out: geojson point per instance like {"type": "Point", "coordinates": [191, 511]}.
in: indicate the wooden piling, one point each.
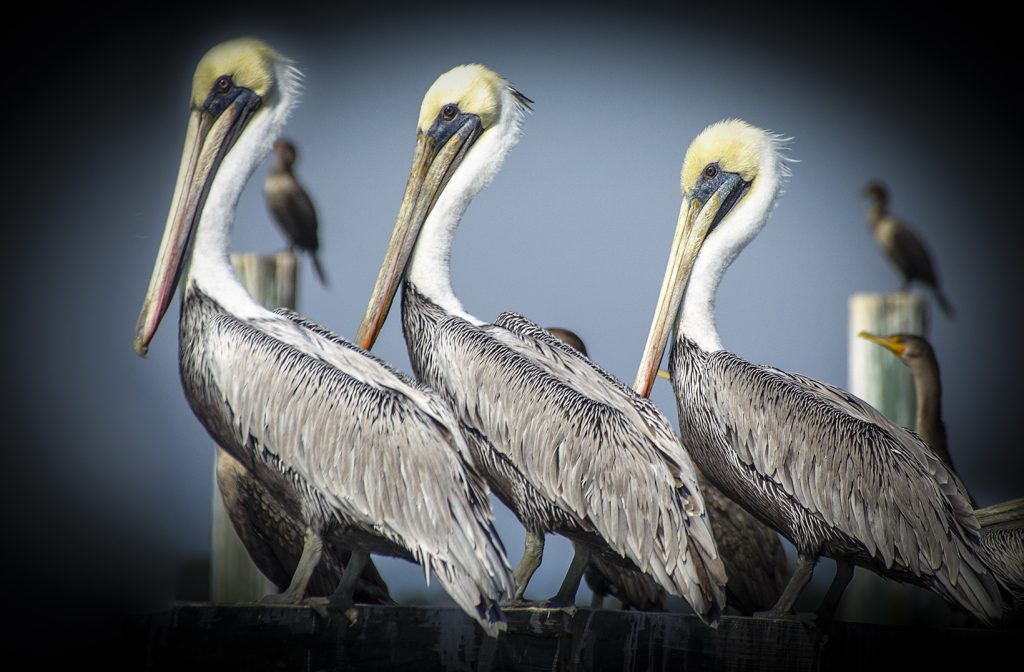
{"type": "Point", "coordinates": [271, 280]}
{"type": "Point", "coordinates": [878, 377]}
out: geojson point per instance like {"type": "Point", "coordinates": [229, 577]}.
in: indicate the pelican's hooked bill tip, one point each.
{"type": "Point", "coordinates": [141, 347]}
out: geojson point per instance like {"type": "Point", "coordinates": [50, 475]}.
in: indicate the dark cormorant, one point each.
{"type": "Point", "coordinates": [290, 205]}
{"type": "Point", "coordinates": [902, 245]}
{"type": "Point", "coordinates": [918, 355]}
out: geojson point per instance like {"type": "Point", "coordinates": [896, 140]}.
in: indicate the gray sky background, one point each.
{"type": "Point", "coordinates": [573, 232]}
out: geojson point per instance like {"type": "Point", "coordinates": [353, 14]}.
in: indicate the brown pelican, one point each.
{"type": "Point", "coordinates": [635, 590]}
{"type": "Point", "coordinates": [274, 539]}
{"type": "Point", "coordinates": [1002, 525]}
{"type": "Point", "coordinates": [364, 457]}
{"type": "Point", "coordinates": [755, 561]}
{"type": "Point", "coordinates": [902, 245]}
{"type": "Point", "coordinates": [918, 355]}
{"type": "Point", "coordinates": [290, 205]}
{"type": "Point", "coordinates": [568, 447]}
{"type": "Point", "coordinates": [815, 463]}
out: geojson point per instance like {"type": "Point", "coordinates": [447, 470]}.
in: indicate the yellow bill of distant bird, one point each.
{"type": "Point", "coordinates": [892, 343]}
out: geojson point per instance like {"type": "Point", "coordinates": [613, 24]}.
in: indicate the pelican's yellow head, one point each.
{"type": "Point", "coordinates": [734, 146]}
{"type": "Point", "coordinates": [465, 89]}
{"type": "Point", "coordinates": [730, 163]}
{"type": "Point", "coordinates": [463, 105]}
{"type": "Point", "coordinates": [234, 84]}
{"type": "Point", "coordinates": [246, 63]}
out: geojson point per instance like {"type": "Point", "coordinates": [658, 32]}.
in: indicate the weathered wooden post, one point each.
{"type": "Point", "coordinates": [881, 379]}
{"type": "Point", "coordinates": [271, 280]}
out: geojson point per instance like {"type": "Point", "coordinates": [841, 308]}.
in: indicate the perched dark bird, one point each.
{"type": "Point", "coordinates": [1002, 525]}
{"type": "Point", "coordinates": [755, 561]}
{"type": "Point", "coordinates": [290, 205]}
{"type": "Point", "coordinates": [820, 466]}
{"type": "Point", "coordinates": [902, 245]}
{"type": "Point", "coordinates": [274, 539]}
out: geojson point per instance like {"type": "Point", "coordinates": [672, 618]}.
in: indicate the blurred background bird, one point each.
{"type": "Point", "coordinates": [902, 245]}
{"type": "Point", "coordinates": [291, 207]}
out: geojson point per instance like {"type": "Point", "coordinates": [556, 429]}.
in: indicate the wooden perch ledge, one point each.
{"type": "Point", "coordinates": [195, 636]}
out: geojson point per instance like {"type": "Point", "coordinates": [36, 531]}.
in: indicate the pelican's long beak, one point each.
{"type": "Point", "coordinates": [433, 164]}
{"type": "Point", "coordinates": [891, 343]}
{"type": "Point", "coordinates": [696, 220]}
{"type": "Point", "coordinates": [207, 140]}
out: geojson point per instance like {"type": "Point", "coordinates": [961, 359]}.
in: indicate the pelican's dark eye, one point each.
{"type": "Point", "coordinates": [223, 84]}
{"type": "Point", "coordinates": [711, 171]}
{"type": "Point", "coordinates": [449, 112]}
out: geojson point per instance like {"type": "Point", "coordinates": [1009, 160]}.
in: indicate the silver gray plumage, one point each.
{"type": "Point", "coordinates": [366, 458]}
{"type": "Point", "coordinates": [753, 556]}
{"type": "Point", "coordinates": [274, 540]}
{"type": "Point", "coordinates": [1002, 525]}
{"type": "Point", "coordinates": [752, 553]}
{"type": "Point", "coordinates": [831, 474]}
{"type": "Point", "coordinates": [1002, 537]}
{"type": "Point", "coordinates": [568, 447]}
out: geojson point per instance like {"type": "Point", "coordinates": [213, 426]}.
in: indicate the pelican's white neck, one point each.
{"type": "Point", "coordinates": [210, 268]}
{"type": "Point", "coordinates": [697, 316]}
{"type": "Point", "coordinates": [429, 268]}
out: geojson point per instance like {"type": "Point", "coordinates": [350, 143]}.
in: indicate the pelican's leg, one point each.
{"type": "Point", "coordinates": [801, 576]}
{"type": "Point", "coordinates": [533, 553]}
{"type": "Point", "coordinates": [312, 549]}
{"type": "Point", "coordinates": [844, 574]}
{"type": "Point", "coordinates": [371, 586]}
{"type": "Point", "coordinates": [566, 595]}
{"type": "Point", "coordinates": [341, 598]}
{"type": "Point", "coordinates": [598, 583]}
